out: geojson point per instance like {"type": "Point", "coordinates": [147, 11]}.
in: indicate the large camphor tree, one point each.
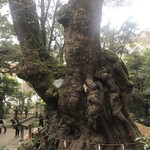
{"type": "Point", "coordinates": [93, 104]}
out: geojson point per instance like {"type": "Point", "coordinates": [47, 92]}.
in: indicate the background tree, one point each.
{"type": "Point", "coordinates": [9, 51]}
{"type": "Point", "coordinates": [8, 87]}
{"type": "Point", "coordinates": [9, 56]}
{"type": "Point", "coordinates": [119, 39]}
{"type": "Point", "coordinates": [138, 64]}
{"type": "Point", "coordinates": [94, 100]}
{"type": "Point", "coordinates": [11, 95]}
{"type": "Point", "coordinates": [22, 99]}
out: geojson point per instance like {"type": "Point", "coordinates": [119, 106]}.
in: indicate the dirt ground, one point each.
{"type": "Point", "coordinates": [144, 130]}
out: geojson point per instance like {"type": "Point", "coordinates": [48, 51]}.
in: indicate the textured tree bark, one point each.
{"type": "Point", "coordinates": [94, 101]}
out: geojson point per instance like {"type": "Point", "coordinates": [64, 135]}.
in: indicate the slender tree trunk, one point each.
{"type": "Point", "coordinates": [1, 108]}
{"type": "Point", "coordinates": [53, 26]}
{"type": "Point", "coordinates": [43, 22]}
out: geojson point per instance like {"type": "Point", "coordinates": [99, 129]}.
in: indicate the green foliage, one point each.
{"type": "Point", "coordinates": [9, 54]}
{"type": "Point", "coordinates": [22, 99]}
{"type": "Point", "coordinates": [8, 86]}
{"type": "Point", "coordinates": [134, 61]}
{"type": "Point", "coordinates": [9, 51]}
{"type": "Point", "coordinates": [118, 40]}
{"type": "Point", "coordinates": [27, 144]}
{"type": "Point", "coordinates": [10, 93]}
{"type": "Point", "coordinates": [145, 141]}
{"type": "Point", "coordinates": [4, 147]}
{"type": "Point", "coordinates": [138, 64]}
{"type": "Point", "coordinates": [6, 28]}
{"type": "Point", "coordinates": [146, 62]}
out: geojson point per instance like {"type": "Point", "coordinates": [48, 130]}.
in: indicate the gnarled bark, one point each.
{"type": "Point", "coordinates": [93, 107]}
{"type": "Point", "coordinates": [97, 90]}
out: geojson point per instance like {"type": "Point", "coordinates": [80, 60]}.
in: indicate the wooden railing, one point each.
{"type": "Point", "coordinates": [27, 124]}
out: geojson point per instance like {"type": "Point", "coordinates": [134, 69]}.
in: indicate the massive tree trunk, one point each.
{"type": "Point", "coordinates": [94, 100]}
{"type": "Point", "coordinates": [93, 106]}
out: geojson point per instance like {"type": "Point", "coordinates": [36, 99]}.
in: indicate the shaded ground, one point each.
{"type": "Point", "coordinates": [10, 139]}
{"type": "Point", "coordinates": [13, 142]}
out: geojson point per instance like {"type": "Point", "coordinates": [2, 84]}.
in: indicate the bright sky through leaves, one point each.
{"type": "Point", "coordinates": [139, 12]}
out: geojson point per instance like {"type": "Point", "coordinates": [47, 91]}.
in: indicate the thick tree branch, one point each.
{"type": "Point", "coordinates": [37, 66]}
